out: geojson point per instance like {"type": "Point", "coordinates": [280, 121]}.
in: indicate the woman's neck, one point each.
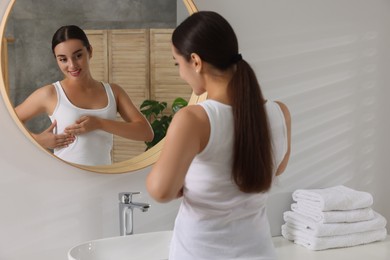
{"type": "Point", "coordinates": [217, 88]}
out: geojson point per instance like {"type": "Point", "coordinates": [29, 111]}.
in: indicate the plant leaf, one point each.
{"type": "Point", "coordinates": [178, 104]}
{"type": "Point", "coordinates": [154, 112]}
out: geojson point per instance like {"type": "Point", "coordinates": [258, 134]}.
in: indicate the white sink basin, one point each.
{"type": "Point", "coordinates": [155, 246]}
{"type": "Point", "coordinates": [151, 246]}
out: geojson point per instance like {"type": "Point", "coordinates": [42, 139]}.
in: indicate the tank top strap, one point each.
{"type": "Point", "coordinates": [61, 96]}
{"type": "Point", "coordinates": [110, 93]}
{"type": "Point", "coordinates": [59, 90]}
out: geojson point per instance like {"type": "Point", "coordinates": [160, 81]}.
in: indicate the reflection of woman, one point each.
{"type": "Point", "coordinates": [82, 110]}
{"type": "Point", "coordinates": [222, 154]}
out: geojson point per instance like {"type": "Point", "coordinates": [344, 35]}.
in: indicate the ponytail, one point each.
{"type": "Point", "coordinates": [252, 156]}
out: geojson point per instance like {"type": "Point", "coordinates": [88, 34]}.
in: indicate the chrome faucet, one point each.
{"type": "Point", "coordinates": [126, 206]}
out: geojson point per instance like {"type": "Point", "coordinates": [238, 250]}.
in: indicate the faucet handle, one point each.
{"type": "Point", "coordinates": [126, 197]}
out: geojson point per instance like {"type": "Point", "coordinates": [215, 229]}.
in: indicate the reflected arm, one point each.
{"type": "Point", "coordinates": [43, 101]}
{"type": "Point", "coordinates": [39, 102]}
{"type": "Point", "coordinates": [136, 126]}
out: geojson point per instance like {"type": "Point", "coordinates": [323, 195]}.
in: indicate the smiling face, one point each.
{"type": "Point", "coordinates": [73, 58]}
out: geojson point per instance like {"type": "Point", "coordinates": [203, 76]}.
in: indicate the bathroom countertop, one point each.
{"type": "Point", "coordinates": [287, 250]}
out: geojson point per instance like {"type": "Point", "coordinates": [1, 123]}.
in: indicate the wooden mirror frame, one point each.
{"type": "Point", "coordinates": [136, 163]}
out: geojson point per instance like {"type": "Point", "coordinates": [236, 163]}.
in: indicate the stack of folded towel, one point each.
{"type": "Point", "coordinates": [333, 217]}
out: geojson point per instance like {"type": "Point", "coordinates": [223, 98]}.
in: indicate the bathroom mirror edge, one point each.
{"type": "Point", "coordinates": [141, 161]}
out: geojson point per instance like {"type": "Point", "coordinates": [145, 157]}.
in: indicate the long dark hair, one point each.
{"type": "Point", "coordinates": [209, 35]}
{"type": "Point", "coordinates": [68, 32]}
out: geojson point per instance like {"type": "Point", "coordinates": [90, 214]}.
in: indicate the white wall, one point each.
{"type": "Point", "coordinates": [327, 60]}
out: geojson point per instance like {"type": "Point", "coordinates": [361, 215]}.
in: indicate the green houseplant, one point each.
{"type": "Point", "coordinates": [155, 112]}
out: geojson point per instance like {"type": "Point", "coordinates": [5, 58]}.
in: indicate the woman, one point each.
{"type": "Point", "coordinates": [82, 110]}
{"type": "Point", "coordinates": [221, 155]}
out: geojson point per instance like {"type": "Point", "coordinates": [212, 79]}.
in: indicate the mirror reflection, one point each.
{"type": "Point", "coordinates": [82, 110]}
{"type": "Point", "coordinates": [130, 48]}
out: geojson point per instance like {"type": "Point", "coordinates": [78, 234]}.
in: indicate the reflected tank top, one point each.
{"type": "Point", "coordinates": [93, 148]}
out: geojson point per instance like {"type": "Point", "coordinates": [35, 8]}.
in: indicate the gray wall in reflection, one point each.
{"type": "Point", "coordinates": [33, 23]}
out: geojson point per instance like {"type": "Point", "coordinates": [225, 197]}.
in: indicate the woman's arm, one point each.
{"type": "Point", "coordinates": [39, 102]}
{"type": "Point", "coordinates": [43, 101]}
{"type": "Point", "coordinates": [187, 135]}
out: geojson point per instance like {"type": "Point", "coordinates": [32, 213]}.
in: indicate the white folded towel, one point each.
{"type": "Point", "coordinates": [333, 198]}
{"type": "Point", "coordinates": [301, 237]}
{"type": "Point", "coordinates": [334, 216]}
{"type": "Point", "coordinates": [300, 222]}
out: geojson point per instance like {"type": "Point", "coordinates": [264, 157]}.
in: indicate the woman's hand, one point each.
{"type": "Point", "coordinates": [49, 140]}
{"type": "Point", "coordinates": [83, 125]}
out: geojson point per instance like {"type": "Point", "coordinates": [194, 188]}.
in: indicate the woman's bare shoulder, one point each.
{"type": "Point", "coordinates": [191, 113]}
{"type": "Point", "coordinates": [116, 88]}
{"type": "Point", "coordinates": [190, 119]}
{"type": "Point", "coordinates": [43, 94]}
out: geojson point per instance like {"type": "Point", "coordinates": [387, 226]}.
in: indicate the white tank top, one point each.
{"type": "Point", "coordinates": [93, 148]}
{"type": "Point", "coordinates": [216, 220]}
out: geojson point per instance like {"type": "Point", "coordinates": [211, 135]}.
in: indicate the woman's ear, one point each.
{"type": "Point", "coordinates": [197, 62]}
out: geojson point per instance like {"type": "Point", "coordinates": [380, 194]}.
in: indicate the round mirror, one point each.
{"type": "Point", "coordinates": [136, 162]}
